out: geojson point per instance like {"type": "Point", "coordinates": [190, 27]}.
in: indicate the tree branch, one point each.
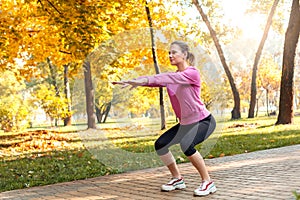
{"type": "Point", "coordinates": [51, 4]}
{"type": "Point", "coordinates": [61, 51]}
{"type": "Point", "coordinates": [39, 1]}
{"type": "Point", "coordinates": [54, 7]}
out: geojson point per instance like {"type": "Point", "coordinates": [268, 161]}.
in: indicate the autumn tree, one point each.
{"type": "Point", "coordinates": [32, 39]}
{"type": "Point", "coordinates": [20, 22]}
{"type": "Point", "coordinates": [14, 107]}
{"type": "Point", "coordinates": [106, 94]}
{"type": "Point", "coordinates": [157, 69]}
{"type": "Point", "coordinates": [137, 42]}
{"type": "Point", "coordinates": [54, 106]}
{"type": "Point", "coordinates": [257, 58]}
{"type": "Point", "coordinates": [269, 80]}
{"type": "Point", "coordinates": [79, 27]}
{"type": "Point", "coordinates": [66, 32]}
{"type": "Point", "coordinates": [52, 82]}
{"type": "Point", "coordinates": [67, 92]}
{"type": "Point", "coordinates": [235, 113]}
{"type": "Point", "coordinates": [126, 60]}
{"type": "Point", "coordinates": [214, 96]}
{"type": "Point", "coordinates": [286, 112]}
{"type": "Point", "coordinates": [242, 80]}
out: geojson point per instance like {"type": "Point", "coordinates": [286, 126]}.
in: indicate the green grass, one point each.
{"type": "Point", "coordinates": [297, 196]}
{"type": "Point", "coordinates": [21, 168]}
{"type": "Point", "coordinates": [236, 137]}
{"type": "Point", "coordinates": [52, 168]}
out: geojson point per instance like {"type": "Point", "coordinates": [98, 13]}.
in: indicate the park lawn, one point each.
{"type": "Point", "coordinates": [43, 157]}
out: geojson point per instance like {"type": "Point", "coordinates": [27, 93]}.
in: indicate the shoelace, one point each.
{"type": "Point", "coordinates": [203, 185]}
{"type": "Point", "coordinates": [173, 180]}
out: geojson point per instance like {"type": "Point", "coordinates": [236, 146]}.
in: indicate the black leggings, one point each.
{"type": "Point", "coordinates": [187, 135]}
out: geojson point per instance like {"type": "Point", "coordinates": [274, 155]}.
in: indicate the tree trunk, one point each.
{"type": "Point", "coordinates": [257, 58]}
{"type": "Point", "coordinates": [236, 112]}
{"type": "Point", "coordinates": [98, 114]}
{"type": "Point", "coordinates": [68, 119]}
{"type": "Point", "coordinates": [102, 112]}
{"type": "Point", "coordinates": [53, 82]}
{"type": "Point", "coordinates": [89, 95]}
{"type": "Point", "coordinates": [53, 76]}
{"type": "Point", "coordinates": [161, 94]}
{"type": "Point", "coordinates": [256, 108]}
{"type": "Point", "coordinates": [286, 110]}
{"type": "Point", "coordinates": [267, 100]}
{"type": "Point", "coordinates": [106, 111]}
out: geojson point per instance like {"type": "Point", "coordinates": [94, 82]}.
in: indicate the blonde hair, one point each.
{"type": "Point", "coordinates": [185, 49]}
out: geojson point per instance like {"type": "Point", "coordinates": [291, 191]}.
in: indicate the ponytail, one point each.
{"type": "Point", "coordinates": [190, 58]}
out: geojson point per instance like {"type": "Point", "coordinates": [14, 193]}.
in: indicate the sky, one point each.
{"type": "Point", "coordinates": [234, 12]}
{"type": "Point", "coordinates": [234, 15]}
{"type": "Point", "coordinates": [241, 51]}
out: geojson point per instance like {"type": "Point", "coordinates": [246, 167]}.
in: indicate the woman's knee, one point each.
{"type": "Point", "coordinates": [159, 144]}
{"type": "Point", "coordinates": [167, 138]}
{"type": "Point", "coordinates": [190, 151]}
{"type": "Point", "coordinates": [160, 147]}
{"type": "Point", "coordinates": [187, 147]}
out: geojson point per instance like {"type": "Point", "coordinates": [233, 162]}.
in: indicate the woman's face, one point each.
{"type": "Point", "coordinates": [176, 55]}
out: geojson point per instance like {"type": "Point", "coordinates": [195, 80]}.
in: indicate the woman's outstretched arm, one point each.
{"type": "Point", "coordinates": [133, 83]}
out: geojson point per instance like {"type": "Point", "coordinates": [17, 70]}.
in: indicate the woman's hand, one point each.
{"type": "Point", "coordinates": [134, 82]}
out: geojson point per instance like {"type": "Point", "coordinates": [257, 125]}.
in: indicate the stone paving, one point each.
{"type": "Point", "coordinates": [269, 174]}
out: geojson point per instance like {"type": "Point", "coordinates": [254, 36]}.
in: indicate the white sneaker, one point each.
{"type": "Point", "coordinates": [206, 188]}
{"type": "Point", "coordinates": [174, 184]}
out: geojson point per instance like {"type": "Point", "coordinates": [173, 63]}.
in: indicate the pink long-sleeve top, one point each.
{"type": "Point", "coordinates": [183, 88]}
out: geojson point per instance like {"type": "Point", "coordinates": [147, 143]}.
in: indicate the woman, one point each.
{"type": "Point", "coordinates": [195, 121]}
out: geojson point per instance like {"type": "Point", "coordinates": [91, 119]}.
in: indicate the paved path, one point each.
{"type": "Point", "coordinates": [270, 174]}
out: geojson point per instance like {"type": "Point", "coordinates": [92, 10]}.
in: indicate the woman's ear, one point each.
{"type": "Point", "coordinates": [185, 56]}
